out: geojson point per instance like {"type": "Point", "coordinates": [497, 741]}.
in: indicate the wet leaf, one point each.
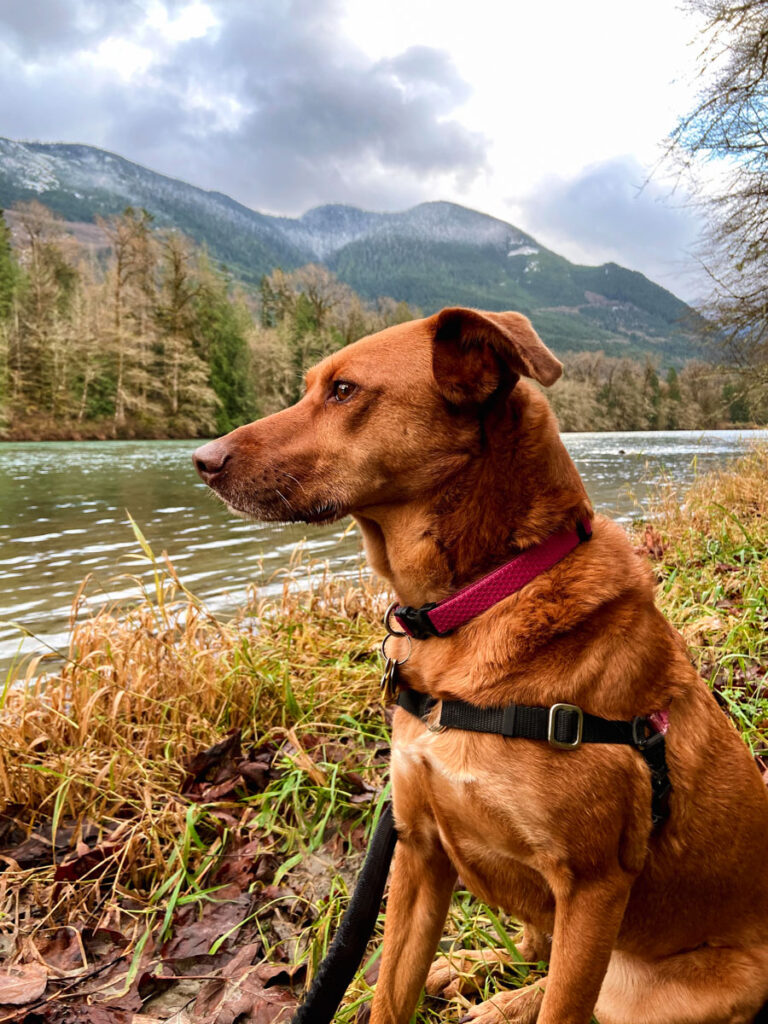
{"type": "Point", "coordinates": [194, 934]}
{"type": "Point", "coordinates": [220, 760]}
{"type": "Point", "coordinates": [246, 992]}
{"type": "Point", "coordinates": [62, 951]}
{"type": "Point", "coordinates": [85, 862]}
{"type": "Point", "coordinates": [22, 984]}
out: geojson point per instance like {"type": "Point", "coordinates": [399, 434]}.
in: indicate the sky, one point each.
{"type": "Point", "coordinates": [549, 115]}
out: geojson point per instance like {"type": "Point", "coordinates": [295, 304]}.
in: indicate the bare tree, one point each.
{"type": "Point", "coordinates": [728, 129]}
{"type": "Point", "coordinates": [131, 242]}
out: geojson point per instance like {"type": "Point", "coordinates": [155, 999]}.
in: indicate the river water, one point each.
{"type": "Point", "coordinates": [63, 516]}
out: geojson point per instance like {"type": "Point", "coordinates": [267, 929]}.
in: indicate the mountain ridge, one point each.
{"type": "Point", "coordinates": [434, 254]}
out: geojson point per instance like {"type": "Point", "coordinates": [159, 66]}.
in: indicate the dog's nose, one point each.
{"type": "Point", "coordinates": [210, 460]}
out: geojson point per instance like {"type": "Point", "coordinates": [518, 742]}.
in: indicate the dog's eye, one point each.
{"type": "Point", "coordinates": [342, 390]}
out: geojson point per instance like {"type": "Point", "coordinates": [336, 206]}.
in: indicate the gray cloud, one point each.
{"type": "Point", "coordinates": [35, 28]}
{"type": "Point", "coordinates": [613, 212]}
{"type": "Point", "coordinates": [274, 106]}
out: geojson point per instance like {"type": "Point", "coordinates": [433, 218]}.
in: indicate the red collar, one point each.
{"type": "Point", "coordinates": [465, 604]}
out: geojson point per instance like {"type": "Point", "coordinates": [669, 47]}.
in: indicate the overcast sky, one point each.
{"type": "Point", "coordinates": [550, 115]}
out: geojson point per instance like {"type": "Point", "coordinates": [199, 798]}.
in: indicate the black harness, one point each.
{"type": "Point", "coordinates": [563, 726]}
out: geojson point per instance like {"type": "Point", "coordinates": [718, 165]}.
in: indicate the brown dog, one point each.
{"type": "Point", "coordinates": [452, 464]}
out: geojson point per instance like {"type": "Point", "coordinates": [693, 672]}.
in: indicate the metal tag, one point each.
{"type": "Point", "coordinates": [389, 680]}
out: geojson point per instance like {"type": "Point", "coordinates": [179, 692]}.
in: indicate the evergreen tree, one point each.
{"type": "Point", "coordinates": [223, 327]}
{"type": "Point", "coordinates": [190, 401]}
{"type": "Point", "coordinates": [674, 398]}
{"type": "Point", "coordinates": [9, 271]}
{"type": "Point", "coordinates": [652, 394]}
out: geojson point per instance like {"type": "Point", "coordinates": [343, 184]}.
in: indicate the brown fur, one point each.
{"type": "Point", "coordinates": [451, 464]}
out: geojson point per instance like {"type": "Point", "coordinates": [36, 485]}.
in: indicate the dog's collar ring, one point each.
{"type": "Point", "coordinates": [395, 661]}
{"type": "Point", "coordinates": [393, 630]}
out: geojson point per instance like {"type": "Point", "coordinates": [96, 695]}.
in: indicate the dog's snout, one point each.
{"type": "Point", "coordinates": [210, 459]}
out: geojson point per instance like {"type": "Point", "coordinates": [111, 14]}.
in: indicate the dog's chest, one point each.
{"type": "Point", "coordinates": [486, 797]}
{"type": "Point", "coordinates": [492, 832]}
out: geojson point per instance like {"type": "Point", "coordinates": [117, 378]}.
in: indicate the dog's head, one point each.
{"type": "Point", "coordinates": [382, 421]}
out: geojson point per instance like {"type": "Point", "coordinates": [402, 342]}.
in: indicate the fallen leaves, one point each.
{"type": "Point", "coordinates": [222, 771]}
{"type": "Point", "coordinates": [246, 992]}
{"type": "Point", "coordinates": [22, 984]}
{"type": "Point", "coordinates": [226, 951]}
{"type": "Point", "coordinates": [652, 544]}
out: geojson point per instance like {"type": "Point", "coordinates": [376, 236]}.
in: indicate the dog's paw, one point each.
{"type": "Point", "coordinates": [457, 973]}
{"type": "Point", "coordinates": [520, 1006]}
{"type": "Point", "coordinates": [534, 945]}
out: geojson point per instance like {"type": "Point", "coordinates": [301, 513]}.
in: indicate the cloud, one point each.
{"type": "Point", "coordinates": [35, 28]}
{"type": "Point", "coordinates": [611, 211]}
{"type": "Point", "coordinates": [267, 101]}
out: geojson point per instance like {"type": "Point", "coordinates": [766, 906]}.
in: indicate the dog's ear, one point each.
{"type": "Point", "coordinates": [471, 349]}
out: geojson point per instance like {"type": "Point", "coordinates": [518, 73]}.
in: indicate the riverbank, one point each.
{"type": "Point", "coordinates": [40, 429]}
{"type": "Point", "coordinates": [36, 431]}
{"type": "Point", "coordinates": [188, 800]}
{"type": "Point", "coordinates": [63, 515]}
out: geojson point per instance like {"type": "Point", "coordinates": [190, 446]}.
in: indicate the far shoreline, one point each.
{"type": "Point", "coordinates": [28, 437]}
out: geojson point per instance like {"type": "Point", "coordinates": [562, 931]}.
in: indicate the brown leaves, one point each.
{"type": "Point", "coordinates": [21, 984]}
{"type": "Point", "coordinates": [222, 771]}
{"type": "Point", "coordinates": [246, 992]}
{"type": "Point", "coordinates": [42, 846]}
{"type": "Point", "coordinates": [86, 976]}
{"type": "Point", "coordinates": [195, 933]}
{"type": "Point", "coordinates": [652, 544]}
{"type": "Point", "coordinates": [85, 861]}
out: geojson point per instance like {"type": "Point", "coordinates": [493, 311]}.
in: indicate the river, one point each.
{"type": "Point", "coordinates": [63, 516]}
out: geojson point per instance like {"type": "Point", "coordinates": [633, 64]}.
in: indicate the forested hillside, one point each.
{"type": "Point", "coordinates": [433, 255]}
{"type": "Point", "coordinates": [146, 336]}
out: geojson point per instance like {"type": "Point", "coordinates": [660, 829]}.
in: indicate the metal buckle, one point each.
{"type": "Point", "coordinates": [388, 625]}
{"type": "Point", "coordinates": [562, 744]}
{"type": "Point", "coordinates": [643, 734]}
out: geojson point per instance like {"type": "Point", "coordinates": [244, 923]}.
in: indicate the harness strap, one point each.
{"type": "Point", "coordinates": [564, 726]}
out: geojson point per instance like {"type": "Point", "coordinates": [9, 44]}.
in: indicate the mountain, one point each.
{"type": "Point", "coordinates": [81, 182]}
{"type": "Point", "coordinates": [436, 254]}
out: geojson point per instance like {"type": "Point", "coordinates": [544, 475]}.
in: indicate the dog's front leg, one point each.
{"type": "Point", "coordinates": [588, 916]}
{"type": "Point", "coordinates": [419, 895]}
{"type": "Point", "coordinates": [587, 920]}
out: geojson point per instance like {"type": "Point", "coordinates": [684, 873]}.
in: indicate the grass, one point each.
{"type": "Point", "coordinates": [122, 826]}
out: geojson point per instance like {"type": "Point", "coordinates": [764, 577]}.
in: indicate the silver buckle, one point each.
{"type": "Point", "coordinates": [573, 744]}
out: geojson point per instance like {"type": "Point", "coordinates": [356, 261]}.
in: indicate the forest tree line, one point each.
{"type": "Point", "coordinates": [144, 336]}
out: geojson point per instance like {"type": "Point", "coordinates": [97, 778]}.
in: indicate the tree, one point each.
{"type": "Point", "coordinates": [190, 401]}
{"type": "Point", "coordinates": [131, 293]}
{"type": "Point", "coordinates": [729, 128]}
{"type": "Point", "coordinates": [223, 327]}
{"type": "Point", "coordinates": [9, 271]}
{"type": "Point", "coordinates": [9, 279]}
{"type": "Point", "coordinates": [38, 362]}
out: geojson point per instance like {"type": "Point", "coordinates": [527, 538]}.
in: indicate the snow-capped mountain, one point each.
{"type": "Point", "coordinates": [433, 255]}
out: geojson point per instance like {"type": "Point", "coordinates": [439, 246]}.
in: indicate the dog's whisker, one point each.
{"type": "Point", "coordinates": [288, 505]}
{"type": "Point", "coordinates": [292, 477]}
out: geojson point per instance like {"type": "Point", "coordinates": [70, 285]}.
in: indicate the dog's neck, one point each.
{"type": "Point", "coordinates": [518, 489]}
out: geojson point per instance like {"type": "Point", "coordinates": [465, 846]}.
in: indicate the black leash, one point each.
{"type": "Point", "coordinates": [564, 726]}
{"type": "Point", "coordinates": [343, 958]}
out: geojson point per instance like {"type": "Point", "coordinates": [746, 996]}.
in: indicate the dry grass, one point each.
{"type": "Point", "coordinates": [710, 556]}
{"type": "Point", "coordinates": [95, 760]}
